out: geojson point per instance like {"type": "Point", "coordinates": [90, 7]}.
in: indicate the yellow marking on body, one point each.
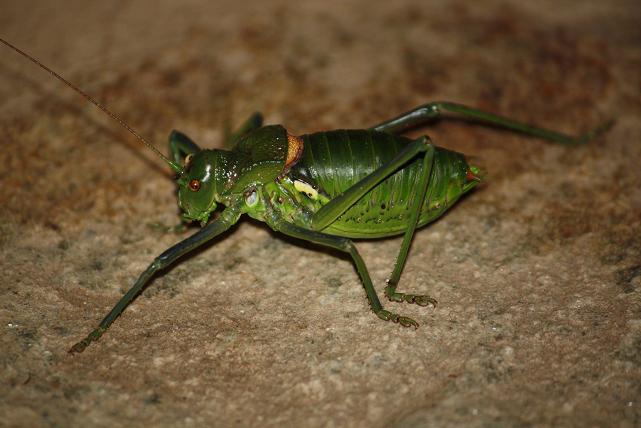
{"type": "Point", "coordinates": [305, 188]}
{"type": "Point", "coordinates": [294, 150]}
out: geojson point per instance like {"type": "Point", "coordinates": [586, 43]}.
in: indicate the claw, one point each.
{"type": "Point", "coordinates": [78, 347]}
{"type": "Point", "coordinates": [407, 322]}
{"type": "Point", "coordinates": [424, 301]}
{"type": "Point", "coordinates": [82, 345]}
{"type": "Point", "coordinates": [396, 318]}
{"type": "Point", "coordinates": [418, 299]}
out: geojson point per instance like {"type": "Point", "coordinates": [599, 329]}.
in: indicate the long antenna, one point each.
{"type": "Point", "coordinates": [177, 168]}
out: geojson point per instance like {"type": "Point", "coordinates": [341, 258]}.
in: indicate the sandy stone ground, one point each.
{"type": "Point", "coordinates": [537, 273]}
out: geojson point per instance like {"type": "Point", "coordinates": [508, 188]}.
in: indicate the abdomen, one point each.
{"type": "Point", "coordinates": [334, 161]}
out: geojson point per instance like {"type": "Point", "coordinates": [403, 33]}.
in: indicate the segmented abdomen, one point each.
{"type": "Point", "coordinates": [334, 161]}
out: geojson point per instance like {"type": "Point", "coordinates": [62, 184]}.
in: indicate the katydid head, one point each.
{"type": "Point", "coordinates": [209, 177]}
{"type": "Point", "coordinates": [199, 185]}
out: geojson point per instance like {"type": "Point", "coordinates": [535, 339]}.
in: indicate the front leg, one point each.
{"type": "Point", "coordinates": [225, 221]}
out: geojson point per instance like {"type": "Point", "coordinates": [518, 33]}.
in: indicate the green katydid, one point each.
{"type": "Point", "coordinates": [326, 188]}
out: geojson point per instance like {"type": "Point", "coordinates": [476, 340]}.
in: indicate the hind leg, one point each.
{"type": "Point", "coordinates": [425, 113]}
{"type": "Point", "coordinates": [415, 210]}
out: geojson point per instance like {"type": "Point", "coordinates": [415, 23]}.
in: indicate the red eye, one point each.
{"type": "Point", "coordinates": [194, 185]}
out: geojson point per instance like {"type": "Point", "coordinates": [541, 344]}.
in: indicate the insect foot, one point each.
{"type": "Point", "coordinates": [389, 316]}
{"type": "Point", "coordinates": [418, 299]}
{"type": "Point", "coordinates": [92, 337]}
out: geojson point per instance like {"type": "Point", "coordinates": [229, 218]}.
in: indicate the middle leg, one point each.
{"type": "Point", "coordinates": [347, 246]}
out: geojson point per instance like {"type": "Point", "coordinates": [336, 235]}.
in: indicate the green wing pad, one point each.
{"type": "Point", "coordinates": [259, 157]}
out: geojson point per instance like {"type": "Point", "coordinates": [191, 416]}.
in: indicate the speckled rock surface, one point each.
{"type": "Point", "coordinates": [537, 273]}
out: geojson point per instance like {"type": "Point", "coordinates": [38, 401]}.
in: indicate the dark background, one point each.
{"type": "Point", "coordinates": [537, 273]}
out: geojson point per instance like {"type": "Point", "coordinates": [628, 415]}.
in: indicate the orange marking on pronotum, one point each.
{"type": "Point", "coordinates": [294, 150]}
